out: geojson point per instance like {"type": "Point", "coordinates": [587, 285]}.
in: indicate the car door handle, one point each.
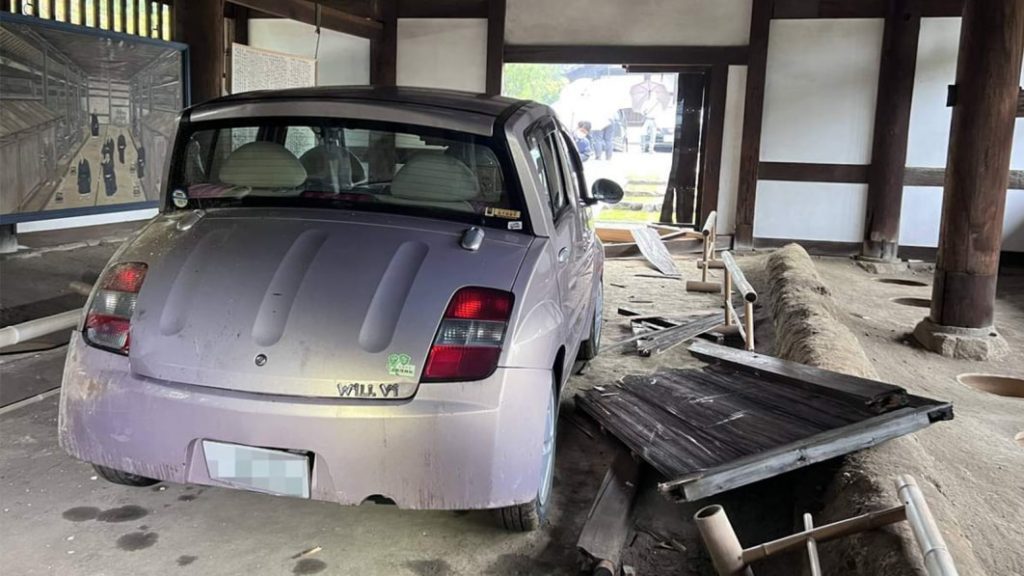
{"type": "Point", "coordinates": [563, 255]}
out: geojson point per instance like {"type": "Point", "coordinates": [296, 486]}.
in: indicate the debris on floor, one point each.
{"type": "Point", "coordinates": [608, 523]}
{"type": "Point", "coordinates": [654, 250]}
{"type": "Point", "coordinates": [736, 422]}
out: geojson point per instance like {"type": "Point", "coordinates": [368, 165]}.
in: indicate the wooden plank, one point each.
{"type": "Point", "coordinates": [892, 129]}
{"type": "Point", "coordinates": [603, 54]}
{"type": "Point", "coordinates": [330, 18]}
{"type": "Point", "coordinates": [686, 329]}
{"type": "Point", "coordinates": [877, 396]}
{"type": "Point", "coordinates": [817, 448]}
{"type": "Point", "coordinates": [610, 518]}
{"type": "Point", "coordinates": [712, 165]}
{"type": "Point", "coordinates": [753, 112]}
{"type": "Point", "coordinates": [495, 45]}
{"type": "Point", "coordinates": [654, 250]}
{"type": "Point", "coordinates": [813, 172]}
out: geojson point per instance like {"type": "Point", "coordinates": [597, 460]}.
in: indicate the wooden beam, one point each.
{"type": "Point", "coordinates": [753, 111]}
{"type": "Point", "coordinates": [892, 129]}
{"type": "Point", "coordinates": [977, 175]}
{"type": "Point", "coordinates": [443, 8]}
{"type": "Point", "coordinates": [122, 16]}
{"type": "Point", "coordinates": [95, 14]}
{"type": "Point", "coordinates": [384, 48]}
{"type": "Point", "coordinates": [805, 9]}
{"type": "Point", "coordinates": [305, 11]}
{"type": "Point", "coordinates": [914, 176]}
{"type": "Point", "coordinates": [691, 87]}
{"type": "Point", "coordinates": [496, 10]}
{"type": "Point", "coordinates": [360, 8]}
{"type": "Point", "coordinates": [593, 54]}
{"type": "Point", "coordinates": [810, 172]}
{"type": "Point", "coordinates": [201, 26]}
{"type": "Point", "coordinates": [712, 153]}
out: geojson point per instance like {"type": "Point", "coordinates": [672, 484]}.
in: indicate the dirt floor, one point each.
{"type": "Point", "coordinates": [56, 517]}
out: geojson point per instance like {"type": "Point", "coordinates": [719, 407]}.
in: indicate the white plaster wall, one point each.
{"type": "Point", "coordinates": [343, 59]}
{"type": "Point", "coordinates": [822, 81]}
{"type": "Point", "coordinates": [633, 22]}
{"type": "Point", "coordinates": [732, 136]}
{"type": "Point", "coordinates": [810, 211]}
{"type": "Point", "coordinates": [928, 141]}
{"type": "Point", "coordinates": [443, 53]}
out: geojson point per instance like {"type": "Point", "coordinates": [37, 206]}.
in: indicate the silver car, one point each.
{"type": "Point", "coordinates": [349, 294]}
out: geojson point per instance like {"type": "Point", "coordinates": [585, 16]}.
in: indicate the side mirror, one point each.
{"type": "Point", "coordinates": [607, 191]}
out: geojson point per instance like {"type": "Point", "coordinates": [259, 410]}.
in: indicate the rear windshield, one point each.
{"type": "Point", "coordinates": [340, 164]}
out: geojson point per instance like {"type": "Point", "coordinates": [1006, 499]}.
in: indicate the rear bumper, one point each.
{"type": "Point", "coordinates": [452, 446]}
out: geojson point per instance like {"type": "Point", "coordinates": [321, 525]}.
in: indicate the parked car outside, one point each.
{"type": "Point", "coordinates": [349, 294]}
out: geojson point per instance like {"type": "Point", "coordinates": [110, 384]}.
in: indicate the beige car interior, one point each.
{"type": "Point", "coordinates": [435, 180]}
{"type": "Point", "coordinates": [264, 166]}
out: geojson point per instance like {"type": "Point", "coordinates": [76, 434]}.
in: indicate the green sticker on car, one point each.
{"type": "Point", "coordinates": [401, 365]}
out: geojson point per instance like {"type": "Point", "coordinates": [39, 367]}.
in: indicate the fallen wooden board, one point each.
{"type": "Point", "coordinates": [718, 428]}
{"type": "Point", "coordinates": [622, 234]}
{"type": "Point", "coordinates": [663, 340]}
{"type": "Point", "coordinates": [877, 396]}
{"type": "Point", "coordinates": [608, 523]}
{"type": "Point", "coordinates": [686, 327]}
{"type": "Point", "coordinates": [654, 250]}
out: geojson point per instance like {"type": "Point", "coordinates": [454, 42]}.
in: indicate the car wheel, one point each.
{"type": "Point", "coordinates": [529, 516]}
{"type": "Point", "coordinates": [592, 345]}
{"type": "Point", "coordinates": [123, 478]}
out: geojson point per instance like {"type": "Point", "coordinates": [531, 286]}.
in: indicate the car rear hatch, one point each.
{"type": "Point", "coordinates": [348, 306]}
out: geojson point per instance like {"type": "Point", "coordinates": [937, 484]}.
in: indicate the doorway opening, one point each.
{"type": "Point", "coordinates": [641, 126]}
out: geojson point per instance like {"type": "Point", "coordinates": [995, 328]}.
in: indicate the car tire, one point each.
{"type": "Point", "coordinates": [531, 515]}
{"type": "Point", "coordinates": [592, 345]}
{"type": "Point", "coordinates": [123, 478]}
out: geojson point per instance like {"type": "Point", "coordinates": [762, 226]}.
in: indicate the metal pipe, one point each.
{"type": "Point", "coordinates": [812, 547]}
{"type": "Point", "coordinates": [748, 317]}
{"type": "Point", "coordinates": [721, 541]}
{"type": "Point", "coordinates": [861, 523]}
{"type": "Point", "coordinates": [739, 279]}
{"type": "Point", "coordinates": [12, 335]}
{"type": "Point", "coordinates": [937, 559]}
{"type": "Point", "coordinates": [81, 288]}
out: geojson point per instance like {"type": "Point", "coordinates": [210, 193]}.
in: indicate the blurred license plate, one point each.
{"type": "Point", "coordinates": [259, 469]}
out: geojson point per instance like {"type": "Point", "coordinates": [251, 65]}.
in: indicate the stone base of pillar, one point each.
{"type": "Point", "coordinates": [880, 265]}
{"type": "Point", "coordinates": [961, 343]}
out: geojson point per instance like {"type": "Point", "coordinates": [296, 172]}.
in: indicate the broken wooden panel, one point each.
{"type": "Point", "coordinates": [713, 429]}
{"type": "Point", "coordinates": [877, 396]}
{"type": "Point", "coordinates": [654, 250]}
{"type": "Point", "coordinates": [610, 517]}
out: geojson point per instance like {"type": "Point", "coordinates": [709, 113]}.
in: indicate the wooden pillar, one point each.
{"type": "Point", "coordinates": [200, 24]}
{"type": "Point", "coordinates": [753, 111]}
{"type": "Point", "coordinates": [691, 86]}
{"type": "Point", "coordinates": [892, 126]}
{"type": "Point", "coordinates": [384, 50]}
{"type": "Point", "coordinates": [714, 104]}
{"type": "Point", "coordinates": [977, 171]}
{"type": "Point", "coordinates": [495, 45]}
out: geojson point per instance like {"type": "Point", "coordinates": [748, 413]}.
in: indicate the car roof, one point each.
{"type": "Point", "coordinates": [426, 97]}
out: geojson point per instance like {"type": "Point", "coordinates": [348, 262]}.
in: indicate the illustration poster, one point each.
{"type": "Point", "coordinates": [86, 119]}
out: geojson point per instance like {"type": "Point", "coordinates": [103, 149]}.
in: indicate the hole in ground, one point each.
{"type": "Point", "coordinates": [900, 282]}
{"type": "Point", "coordinates": [995, 384]}
{"type": "Point", "coordinates": [916, 302]}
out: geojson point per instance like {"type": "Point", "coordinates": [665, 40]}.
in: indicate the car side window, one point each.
{"type": "Point", "coordinates": [544, 157]}
{"type": "Point", "coordinates": [573, 172]}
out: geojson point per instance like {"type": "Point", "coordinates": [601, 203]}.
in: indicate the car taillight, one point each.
{"type": "Point", "coordinates": [108, 321]}
{"type": "Point", "coordinates": [468, 343]}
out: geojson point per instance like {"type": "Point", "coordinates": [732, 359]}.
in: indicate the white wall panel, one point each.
{"type": "Point", "coordinates": [810, 211]}
{"type": "Point", "coordinates": [936, 69]}
{"type": "Point", "coordinates": [732, 136]}
{"type": "Point", "coordinates": [634, 22]}
{"type": "Point", "coordinates": [822, 81]}
{"type": "Point", "coordinates": [443, 53]}
{"type": "Point", "coordinates": [343, 59]}
{"type": "Point", "coordinates": [920, 215]}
